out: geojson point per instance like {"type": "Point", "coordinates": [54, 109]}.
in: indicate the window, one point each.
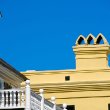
{"type": "Point", "coordinates": [7, 86]}
{"type": "Point", "coordinates": [81, 41]}
{"type": "Point", "coordinates": [100, 40]}
{"type": "Point", "coordinates": [67, 78]}
{"type": "Point", "coordinates": [108, 106]}
{"type": "Point", "coordinates": [71, 107]}
{"type": "Point", "coordinates": [90, 40]}
{"type": "Point", "coordinates": [1, 83]}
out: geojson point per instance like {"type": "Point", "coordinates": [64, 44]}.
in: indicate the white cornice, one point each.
{"type": "Point", "coordinates": [71, 71]}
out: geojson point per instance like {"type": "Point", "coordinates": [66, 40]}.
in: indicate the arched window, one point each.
{"type": "Point", "coordinates": [81, 41]}
{"type": "Point", "coordinates": [90, 40]}
{"type": "Point", "coordinates": [100, 40]}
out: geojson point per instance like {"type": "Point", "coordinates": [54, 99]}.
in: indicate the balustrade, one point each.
{"type": "Point", "coordinates": [11, 98]}
{"type": "Point", "coordinates": [38, 102]}
{"type": "Point", "coordinates": [27, 99]}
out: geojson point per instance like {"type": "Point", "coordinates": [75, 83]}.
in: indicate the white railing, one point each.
{"type": "Point", "coordinates": [12, 98]}
{"type": "Point", "coordinates": [38, 102]}
{"type": "Point", "coordinates": [35, 101]}
{"type": "Point", "coordinates": [27, 99]}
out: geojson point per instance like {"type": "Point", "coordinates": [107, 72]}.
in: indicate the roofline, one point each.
{"type": "Point", "coordinates": [45, 72]}
{"type": "Point", "coordinates": [42, 71]}
{"type": "Point", "coordinates": [5, 64]}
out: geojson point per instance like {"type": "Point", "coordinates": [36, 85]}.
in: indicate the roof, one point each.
{"type": "Point", "coordinates": [5, 64]}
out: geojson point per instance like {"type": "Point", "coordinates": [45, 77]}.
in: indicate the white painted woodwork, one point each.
{"type": "Point", "coordinates": [27, 99]}
{"type": "Point", "coordinates": [18, 101]}
{"type": "Point", "coordinates": [28, 96]}
{"type": "Point", "coordinates": [53, 101]}
{"type": "Point", "coordinates": [64, 106]}
{"type": "Point", "coordinates": [22, 99]}
{"type": "Point", "coordinates": [9, 99]}
{"type": "Point", "coordinates": [42, 99]}
{"type": "Point", "coordinates": [10, 96]}
{"type": "Point", "coordinates": [6, 98]}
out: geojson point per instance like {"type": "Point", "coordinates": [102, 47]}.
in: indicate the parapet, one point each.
{"type": "Point", "coordinates": [91, 40]}
{"type": "Point", "coordinates": [91, 52]}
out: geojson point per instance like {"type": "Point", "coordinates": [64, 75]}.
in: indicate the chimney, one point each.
{"type": "Point", "coordinates": [91, 53]}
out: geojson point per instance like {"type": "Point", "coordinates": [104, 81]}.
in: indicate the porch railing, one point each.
{"type": "Point", "coordinates": [12, 98]}
{"type": "Point", "coordinates": [27, 99]}
{"type": "Point", "coordinates": [38, 102]}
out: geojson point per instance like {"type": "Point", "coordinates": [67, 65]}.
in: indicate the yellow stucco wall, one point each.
{"type": "Point", "coordinates": [89, 84]}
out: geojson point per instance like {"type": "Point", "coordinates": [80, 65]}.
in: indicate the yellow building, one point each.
{"type": "Point", "coordinates": [85, 88]}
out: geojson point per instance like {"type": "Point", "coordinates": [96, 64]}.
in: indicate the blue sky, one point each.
{"type": "Point", "coordinates": [39, 34]}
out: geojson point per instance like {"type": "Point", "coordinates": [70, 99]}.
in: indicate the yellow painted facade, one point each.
{"type": "Point", "coordinates": [88, 86]}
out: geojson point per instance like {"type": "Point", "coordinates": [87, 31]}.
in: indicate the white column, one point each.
{"type": "Point", "coordinates": [14, 96]}
{"type": "Point", "coordinates": [10, 99]}
{"type": "Point", "coordinates": [42, 100]}
{"type": "Point", "coordinates": [22, 98]}
{"type": "Point", "coordinates": [53, 101]}
{"type": "Point", "coordinates": [18, 99]}
{"type": "Point", "coordinates": [28, 97]}
{"type": "Point", "coordinates": [6, 92]}
{"type": "Point", "coordinates": [64, 106]}
{"type": "Point", "coordinates": [2, 102]}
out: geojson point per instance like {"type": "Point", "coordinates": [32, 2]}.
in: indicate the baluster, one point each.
{"type": "Point", "coordinates": [14, 96]}
{"type": "Point", "coordinates": [64, 106]}
{"type": "Point", "coordinates": [28, 95]}
{"type": "Point", "coordinates": [2, 100]}
{"type": "Point", "coordinates": [18, 100]}
{"type": "Point", "coordinates": [32, 102]}
{"type": "Point", "coordinates": [6, 92]}
{"type": "Point", "coordinates": [53, 101]}
{"type": "Point", "coordinates": [22, 98]}
{"type": "Point", "coordinates": [35, 103]}
{"type": "Point", "coordinates": [42, 100]}
{"type": "Point", "coordinates": [32, 106]}
{"type": "Point", "coordinates": [10, 98]}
